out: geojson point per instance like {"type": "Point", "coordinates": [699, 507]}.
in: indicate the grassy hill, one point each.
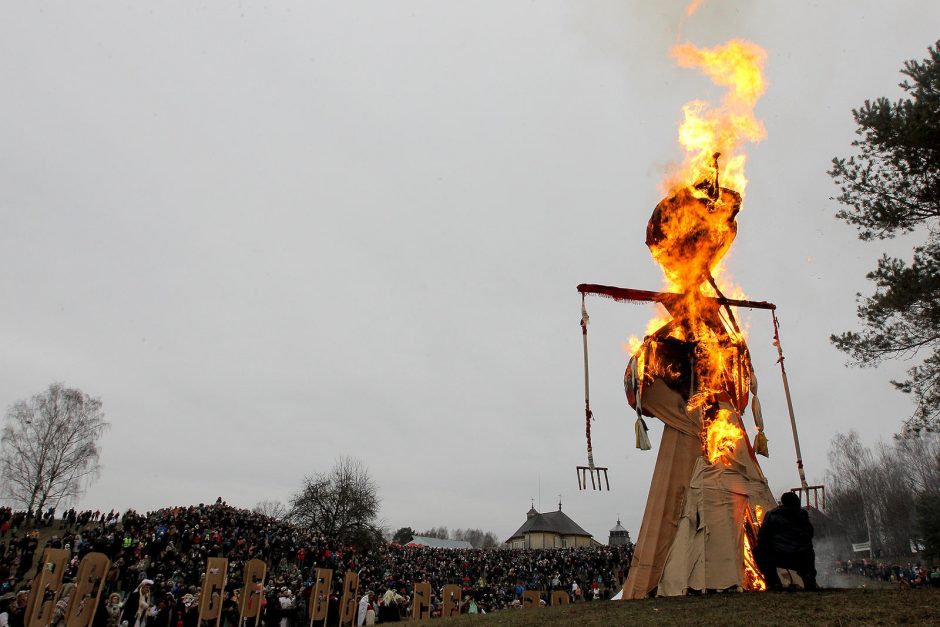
{"type": "Point", "coordinates": [830, 607]}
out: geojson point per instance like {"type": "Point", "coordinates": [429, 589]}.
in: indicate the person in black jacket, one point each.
{"type": "Point", "coordinates": [785, 540]}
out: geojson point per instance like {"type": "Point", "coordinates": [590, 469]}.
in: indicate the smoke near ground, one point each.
{"type": "Point", "coordinates": [826, 575]}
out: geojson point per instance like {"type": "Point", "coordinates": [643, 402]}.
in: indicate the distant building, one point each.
{"type": "Point", "coordinates": [619, 536]}
{"type": "Point", "coordinates": [550, 530]}
{"type": "Point", "coordinates": [437, 543]}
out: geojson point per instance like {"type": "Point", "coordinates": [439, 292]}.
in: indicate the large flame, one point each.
{"type": "Point", "coordinates": [738, 66]}
{"type": "Point", "coordinates": [700, 350]}
{"type": "Point", "coordinates": [694, 226]}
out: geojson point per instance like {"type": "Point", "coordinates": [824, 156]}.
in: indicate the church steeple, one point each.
{"type": "Point", "coordinates": [531, 513]}
{"type": "Point", "coordinates": [619, 535]}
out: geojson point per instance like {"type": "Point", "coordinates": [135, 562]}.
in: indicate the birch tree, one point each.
{"type": "Point", "coordinates": [49, 447]}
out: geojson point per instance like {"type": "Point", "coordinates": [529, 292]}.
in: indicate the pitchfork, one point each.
{"type": "Point", "coordinates": [595, 472]}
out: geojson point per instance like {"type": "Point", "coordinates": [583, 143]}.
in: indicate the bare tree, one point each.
{"type": "Point", "coordinates": [271, 509]}
{"type": "Point", "coordinates": [342, 503]}
{"type": "Point", "coordinates": [880, 494]}
{"type": "Point", "coordinates": [477, 538]}
{"type": "Point", "coordinates": [921, 459]}
{"type": "Point", "coordinates": [441, 533]}
{"type": "Point", "coordinates": [893, 499]}
{"type": "Point", "coordinates": [850, 484]}
{"type": "Point", "coordinates": [49, 447]}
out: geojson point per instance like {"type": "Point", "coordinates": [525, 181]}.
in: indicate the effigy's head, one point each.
{"type": "Point", "coordinates": [690, 231]}
{"type": "Point", "coordinates": [697, 354]}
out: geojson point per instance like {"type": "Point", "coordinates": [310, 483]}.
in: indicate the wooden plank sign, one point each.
{"type": "Point", "coordinates": [530, 599]}
{"type": "Point", "coordinates": [89, 583]}
{"type": "Point", "coordinates": [560, 597]}
{"type": "Point", "coordinates": [249, 603]}
{"type": "Point", "coordinates": [320, 596]}
{"type": "Point", "coordinates": [41, 600]}
{"type": "Point", "coordinates": [421, 604]}
{"type": "Point", "coordinates": [350, 602]}
{"type": "Point", "coordinates": [451, 600]}
{"type": "Point", "coordinates": [213, 587]}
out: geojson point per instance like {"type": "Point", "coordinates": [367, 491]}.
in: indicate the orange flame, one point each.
{"type": "Point", "coordinates": [721, 436]}
{"type": "Point", "coordinates": [701, 350]}
{"type": "Point", "coordinates": [633, 343]}
{"type": "Point", "coordinates": [737, 65]}
{"type": "Point", "coordinates": [692, 229]}
{"type": "Point", "coordinates": [753, 579]}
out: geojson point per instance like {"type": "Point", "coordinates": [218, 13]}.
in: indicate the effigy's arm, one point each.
{"type": "Point", "coordinates": [626, 294]}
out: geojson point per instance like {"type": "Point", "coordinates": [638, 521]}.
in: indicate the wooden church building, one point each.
{"type": "Point", "coordinates": [550, 530]}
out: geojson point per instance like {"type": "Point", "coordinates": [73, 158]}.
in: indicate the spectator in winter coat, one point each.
{"type": "Point", "coordinates": [137, 606]}
{"type": "Point", "coordinates": [785, 540]}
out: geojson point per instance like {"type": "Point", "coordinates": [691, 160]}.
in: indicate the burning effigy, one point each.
{"type": "Point", "coordinates": [693, 370]}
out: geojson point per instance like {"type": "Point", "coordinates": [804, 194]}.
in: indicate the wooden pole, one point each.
{"type": "Point", "coordinates": [786, 390]}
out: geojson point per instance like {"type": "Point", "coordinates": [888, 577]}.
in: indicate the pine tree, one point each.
{"type": "Point", "coordinates": [892, 187]}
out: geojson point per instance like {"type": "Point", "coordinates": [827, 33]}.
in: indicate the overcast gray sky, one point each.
{"type": "Point", "coordinates": [267, 234]}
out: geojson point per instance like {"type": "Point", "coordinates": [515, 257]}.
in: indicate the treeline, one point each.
{"type": "Point", "coordinates": [891, 491]}
{"type": "Point", "coordinates": [477, 538]}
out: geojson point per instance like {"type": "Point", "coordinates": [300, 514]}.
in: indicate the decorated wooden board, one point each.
{"type": "Point", "coordinates": [451, 600]}
{"type": "Point", "coordinates": [320, 596]}
{"type": "Point", "coordinates": [350, 600]}
{"type": "Point", "coordinates": [88, 585]}
{"type": "Point", "coordinates": [41, 600]}
{"type": "Point", "coordinates": [249, 604]}
{"type": "Point", "coordinates": [213, 589]}
{"type": "Point", "coordinates": [530, 599]}
{"type": "Point", "coordinates": [421, 603]}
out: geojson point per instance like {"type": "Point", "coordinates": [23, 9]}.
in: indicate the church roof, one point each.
{"type": "Point", "coordinates": [551, 522]}
{"type": "Point", "coordinates": [618, 528]}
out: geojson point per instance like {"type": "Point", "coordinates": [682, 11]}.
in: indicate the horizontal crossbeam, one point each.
{"type": "Point", "coordinates": [628, 294]}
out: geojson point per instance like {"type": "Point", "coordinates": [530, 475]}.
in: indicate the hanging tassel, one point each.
{"type": "Point", "coordinates": [760, 444]}
{"type": "Point", "coordinates": [758, 414]}
{"type": "Point", "coordinates": [760, 441]}
{"type": "Point", "coordinates": [755, 404]}
{"type": "Point", "coordinates": [642, 439]}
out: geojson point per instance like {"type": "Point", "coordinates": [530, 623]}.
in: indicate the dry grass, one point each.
{"type": "Point", "coordinates": [830, 607]}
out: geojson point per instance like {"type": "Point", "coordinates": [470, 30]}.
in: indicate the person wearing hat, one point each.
{"type": "Point", "coordinates": [190, 610]}
{"type": "Point", "coordinates": [112, 610]}
{"type": "Point", "coordinates": [137, 606]}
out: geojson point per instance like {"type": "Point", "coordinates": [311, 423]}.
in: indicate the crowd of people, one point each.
{"type": "Point", "coordinates": [158, 560]}
{"type": "Point", "coordinates": [914, 575]}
